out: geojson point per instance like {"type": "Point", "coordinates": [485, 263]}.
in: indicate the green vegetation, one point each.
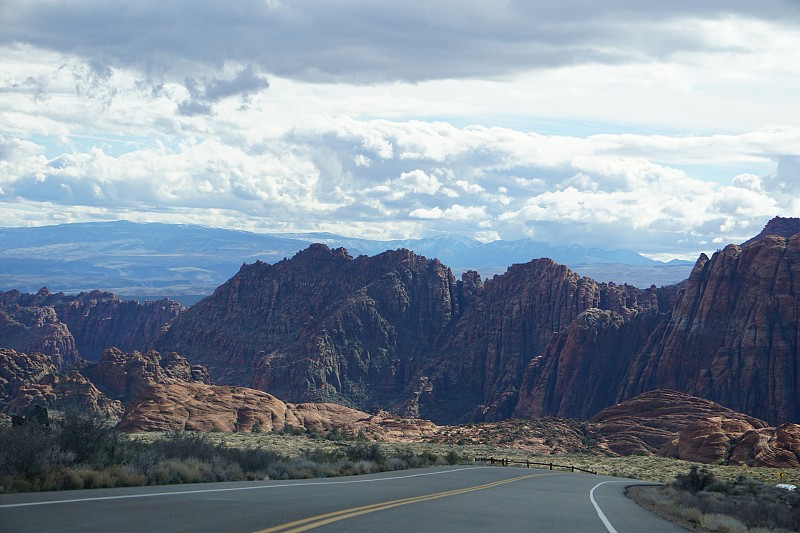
{"type": "Point", "coordinates": [704, 502]}
{"type": "Point", "coordinates": [78, 452]}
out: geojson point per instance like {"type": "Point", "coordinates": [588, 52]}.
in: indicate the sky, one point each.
{"type": "Point", "coordinates": [664, 127]}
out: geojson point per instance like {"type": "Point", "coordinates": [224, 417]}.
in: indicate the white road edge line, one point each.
{"type": "Point", "coordinates": [183, 492]}
{"type": "Point", "coordinates": [600, 513]}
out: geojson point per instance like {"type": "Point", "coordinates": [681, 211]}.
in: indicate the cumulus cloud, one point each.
{"type": "Point", "coordinates": [395, 120]}
{"type": "Point", "coordinates": [303, 179]}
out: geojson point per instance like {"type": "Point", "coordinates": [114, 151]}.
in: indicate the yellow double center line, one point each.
{"type": "Point", "coordinates": [324, 519]}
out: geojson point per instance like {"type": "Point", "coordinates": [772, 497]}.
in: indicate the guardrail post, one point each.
{"type": "Point", "coordinates": [551, 466]}
{"type": "Point", "coordinates": [573, 468]}
{"type": "Point", "coordinates": [527, 463]}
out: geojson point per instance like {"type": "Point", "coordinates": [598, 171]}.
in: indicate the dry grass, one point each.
{"type": "Point", "coordinates": [743, 506]}
{"type": "Point", "coordinates": [658, 469]}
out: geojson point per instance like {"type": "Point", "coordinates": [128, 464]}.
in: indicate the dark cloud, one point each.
{"type": "Point", "coordinates": [203, 93]}
{"type": "Point", "coordinates": [366, 41]}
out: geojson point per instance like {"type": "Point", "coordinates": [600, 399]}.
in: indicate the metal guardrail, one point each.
{"type": "Point", "coordinates": [528, 464]}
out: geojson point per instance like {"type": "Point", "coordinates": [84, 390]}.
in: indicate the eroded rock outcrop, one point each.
{"type": "Point", "coordinates": [29, 327]}
{"type": "Point", "coordinates": [201, 407]}
{"type": "Point", "coordinates": [125, 375]}
{"type": "Point", "coordinates": [510, 327]}
{"type": "Point", "coordinates": [581, 370]}
{"type": "Point", "coordinates": [18, 369]}
{"type": "Point", "coordinates": [733, 336]}
{"type": "Point", "coordinates": [100, 320]}
{"type": "Point", "coordinates": [772, 447]}
{"type": "Point", "coordinates": [394, 331]}
{"type": "Point", "coordinates": [27, 380]}
{"type": "Point", "coordinates": [323, 326]}
{"type": "Point", "coordinates": [722, 440]}
{"type": "Point", "coordinates": [644, 425]}
{"type": "Point", "coordinates": [74, 328]}
{"type": "Point", "coordinates": [397, 331]}
{"type": "Point", "coordinates": [729, 333]}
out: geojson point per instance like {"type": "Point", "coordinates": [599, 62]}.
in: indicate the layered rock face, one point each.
{"type": "Point", "coordinates": [322, 326]}
{"type": "Point", "coordinates": [733, 336]}
{"type": "Point", "coordinates": [509, 327]}
{"type": "Point", "coordinates": [201, 407]}
{"type": "Point", "coordinates": [394, 331]}
{"type": "Point", "coordinates": [645, 424]}
{"type": "Point", "coordinates": [73, 328]}
{"type": "Point", "coordinates": [672, 424]}
{"type": "Point", "coordinates": [100, 320]}
{"type": "Point", "coordinates": [397, 331]}
{"type": "Point", "coordinates": [722, 440]}
{"type": "Point", "coordinates": [581, 370]}
{"type": "Point", "coordinates": [27, 380]}
{"type": "Point", "coordinates": [125, 375]}
{"type": "Point", "coordinates": [28, 327]}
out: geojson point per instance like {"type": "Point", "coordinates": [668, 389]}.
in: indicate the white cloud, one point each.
{"type": "Point", "coordinates": [650, 127]}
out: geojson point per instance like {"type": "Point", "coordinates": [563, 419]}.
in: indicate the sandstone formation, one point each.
{"type": "Point", "coordinates": [509, 327]}
{"type": "Point", "coordinates": [72, 328]}
{"type": "Point", "coordinates": [27, 380]}
{"type": "Point", "coordinates": [123, 376]}
{"type": "Point", "coordinates": [779, 226]}
{"type": "Point", "coordinates": [644, 425]}
{"type": "Point", "coordinates": [323, 326]}
{"type": "Point", "coordinates": [733, 336]}
{"type": "Point", "coordinates": [18, 370]}
{"type": "Point", "coordinates": [720, 440]}
{"type": "Point", "coordinates": [541, 436]}
{"type": "Point", "coordinates": [398, 332]}
{"type": "Point", "coordinates": [201, 407]}
{"type": "Point", "coordinates": [772, 447]}
{"type": "Point", "coordinates": [729, 334]}
{"type": "Point", "coordinates": [581, 370]}
{"type": "Point", "coordinates": [100, 320]}
{"type": "Point", "coordinates": [394, 331]}
{"type": "Point", "coordinates": [28, 327]}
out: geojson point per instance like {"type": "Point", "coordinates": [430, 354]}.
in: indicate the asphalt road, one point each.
{"type": "Point", "coordinates": [463, 499]}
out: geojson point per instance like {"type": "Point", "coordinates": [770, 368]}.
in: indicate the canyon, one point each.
{"type": "Point", "coordinates": [399, 334]}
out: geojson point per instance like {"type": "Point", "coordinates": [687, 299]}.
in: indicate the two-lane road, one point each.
{"type": "Point", "coordinates": [434, 499]}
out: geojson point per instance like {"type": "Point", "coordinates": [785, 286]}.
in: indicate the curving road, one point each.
{"type": "Point", "coordinates": [466, 498]}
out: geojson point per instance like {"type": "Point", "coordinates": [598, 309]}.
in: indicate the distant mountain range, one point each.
{"type": "Point", "coordinates": [397, 331]}
{"type": "Point", "coordinates": [185, 262]}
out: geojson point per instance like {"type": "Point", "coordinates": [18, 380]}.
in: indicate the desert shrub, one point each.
{"type": "Point", "coordinates": [337, 434]}
{"type": "Point", "coordinates": [91, 439]}
{"type": "Point", "coordinates": [695, 480]}
{"type": "Point", "coordinates": [320, 455]}
{"type": "Point", "coordinates": [254, 460]}
{"type": "Point", "coordinates": [452, 457]}
{"type": "Point", "coordinates": [366, 452]}
{"type": "Point", "coordinates": [722, 523]}
{"type": "Point", "coordinates": [186, 445]}
{"type": "Point", "coordinates": [30, 452]}
{"type": "Point", "coordinates": [733, 505]}
{"type": "Point", "coordinates": [63, 478]}
{"type": "Point", "coordinates": [289, 429]}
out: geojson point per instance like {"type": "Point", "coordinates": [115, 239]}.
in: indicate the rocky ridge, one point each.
{"type": "Point", "coordinates": [394, 331]}
{"type": "Point", "coordinates": [70, 329]}
{"type": "Point", "coordinates": [27, 380]}
{"type": "Point", "coordinates": [647, 423]}
{"type": "Point", "coordinates": [201, 407]}
{"type": "Point", "coordinates": [123, 376]}
{"type": "Point", "coordinates": [397, 331]}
